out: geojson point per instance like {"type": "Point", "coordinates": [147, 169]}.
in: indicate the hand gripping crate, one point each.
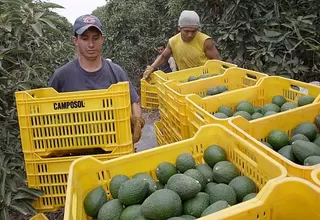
{"type": "Point", "coordinates": [289, 198]}
{"type": "Point", "coordinates": [51, 121]}
{"type": "Point", "coordinates": [149, 94]}
{"type": "Point", "coordinates": [210, 67]}
{"type": "Point", "coordinates": [88, 173]}
{"type": "Point", "coordinates": [258, 130]}
{"type": "Point", "coordinates": [233, 78]}
{"type": "Point", "coordinates": [315, 175]}
{"type": "Point", "coordinates": [51, 176]}
{"type": "Point", "coordinates": [200, 110]}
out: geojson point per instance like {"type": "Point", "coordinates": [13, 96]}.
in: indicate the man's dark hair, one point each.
{"type": "Point", "coordinates": [161, 45]}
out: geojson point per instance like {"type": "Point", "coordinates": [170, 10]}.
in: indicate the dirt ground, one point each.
{"type": "Point", "coordinates": [150, 116]}
{"type": "Point", "coordinates": [58, 215]}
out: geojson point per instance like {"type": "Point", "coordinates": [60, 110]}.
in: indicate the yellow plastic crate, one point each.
{"type": "Point", "coordinates": [200, 110]}
{"type": "Point", "coordinates": [39, 216]}
{"type": "Point", "coordinates": [88, 173]}
{"type": "Point", "coordinates": [258, 130]}
{"type": "Point", "coordinates": [315, 175]}
{"type": "Point", "coordinates": [171, 136]}
{"type": "Point", "coordinates": [162, 103]}
{"type": "Point", "coordinates": [285, 199]}
{"type": "Point", "coordinates": [149, 94]}
{"type": "Point", "coordinates": [234, 78]}
{"type": "Point", "coordinates": [160, 133]}
{"type": "Point", "coordinates": [210, 67]}
{"type": "Point", "coordinates": [51, 175]}
{"type": "Point", "coordinates": [51, 121]}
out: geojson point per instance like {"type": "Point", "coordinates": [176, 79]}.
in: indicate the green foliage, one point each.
{"type": "Point", "coordinates": [14, 195]}
{"type": "Point", "coordinates": [276, 37]}
{"type": "Point", "coordinates": [33, 42]}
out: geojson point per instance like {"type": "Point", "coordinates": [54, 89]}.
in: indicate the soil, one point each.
{"type": "Point", "coordinates": [150, 116]}
{"type": "Point", "coordinates": [58, 215]}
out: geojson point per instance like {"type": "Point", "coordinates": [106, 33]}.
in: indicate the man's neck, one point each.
{"type": "Point", "coordinates": [90, 65]}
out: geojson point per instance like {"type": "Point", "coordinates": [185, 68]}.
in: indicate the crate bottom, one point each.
{"type": "Point", "coordinates": [51, 176]}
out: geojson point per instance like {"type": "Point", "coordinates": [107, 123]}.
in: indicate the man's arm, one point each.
{"type": "Point", "coordinates": [162, 58]}
{"type": "Point", "coordinates": [137, 122]}
{"type": "Point", "coordinates": [172, 64]}
{"type": "Point", "coordinates": [136, 110]}
{"type": "Point", "coordinates": [211, 50]}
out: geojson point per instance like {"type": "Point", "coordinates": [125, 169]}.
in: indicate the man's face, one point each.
{"type": "Point", "coordinates": [160, 49]}
{"type": "Point", "coordinates": [188, 33]}
{"type": "Point", "coordinates": [89, 43]}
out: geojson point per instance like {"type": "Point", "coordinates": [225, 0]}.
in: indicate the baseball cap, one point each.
{"type": "Point", "coordinates": [83, 22]}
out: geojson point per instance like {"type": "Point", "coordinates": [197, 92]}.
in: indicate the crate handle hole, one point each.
{"type": "Point", "coordinates": [297, 88]}
{"type": "Point", "coordinates": [251, 76]}
{"type": "Point", "coordinates": [225, 66]}
{"type": "Point", "coordinates": [78, 152]}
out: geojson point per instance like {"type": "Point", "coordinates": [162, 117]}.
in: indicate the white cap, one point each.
{"type": "Point", "coordinates": [189, 19]}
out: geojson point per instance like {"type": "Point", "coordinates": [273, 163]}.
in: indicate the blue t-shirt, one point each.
{"type": "Point", "coordinates": [72, 77]}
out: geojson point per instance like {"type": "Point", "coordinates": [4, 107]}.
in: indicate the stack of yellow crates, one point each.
{"type": "Point", "coordinates": [58, 128]}
{"type": "Point", "coordinates": [285, 190]}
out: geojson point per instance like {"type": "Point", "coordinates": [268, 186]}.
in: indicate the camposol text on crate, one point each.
{"type": "Point", "coordinates": [66, 105]}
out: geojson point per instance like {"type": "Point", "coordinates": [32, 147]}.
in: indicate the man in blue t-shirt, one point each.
{"type": "Point", "coordinates": [90, 71]}
{"type": "Point", "coordinates": [168, 66]}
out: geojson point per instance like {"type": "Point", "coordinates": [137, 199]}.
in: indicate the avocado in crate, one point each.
{"type": "Point", "coordinates": [302, 147]}
{"type": "Point", "coordinates": [209, 69]}
{"type": "Point", "coordinates": [292, 139]}
{"type": "Point", "coordinates": [202, 76]}
{"type": "Point", "coordinates": [196, 177]}
{"type": "Point", "coordinates": [288, 198]}
{"type": "Point", "coordinates": [182, 188]}
{"type": "Point", "coordinates": [233, 78]}
{"type": "Point", "coordinates": [271, 96]}
{"type": "Point", "coordinates": [250, 112]}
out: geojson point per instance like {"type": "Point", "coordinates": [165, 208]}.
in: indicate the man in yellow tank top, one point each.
{"type": "Point", "coordinates": [190, 48]}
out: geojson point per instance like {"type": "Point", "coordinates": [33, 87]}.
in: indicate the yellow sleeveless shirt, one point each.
{"type": "Point", "coordinates": [188, 55]}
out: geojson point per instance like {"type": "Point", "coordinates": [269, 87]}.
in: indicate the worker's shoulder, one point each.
{"type": "Point", "coordinates": [203, 36]}
{"type": "Point", "coordinates": [175, 37]}
{"type": "Point", "coordinates": [114, 66]}
{"type": "Point", "coordinates": [115, 69]}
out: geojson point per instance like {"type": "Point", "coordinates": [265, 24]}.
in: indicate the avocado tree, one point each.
{"type": "Point", "coordinates": [278, 37]}
{"type": "Point", "coordinates": [33, 43]}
